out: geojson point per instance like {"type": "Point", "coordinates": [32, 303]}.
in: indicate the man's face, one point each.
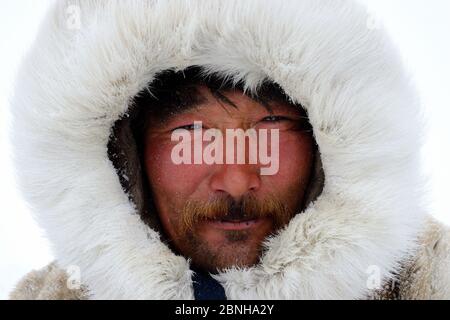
{"type": "Point", "coordinates": [219, 214]}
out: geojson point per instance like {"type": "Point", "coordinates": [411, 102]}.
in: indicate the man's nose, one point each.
{"type": "Point", "coordinates": [236, 179]}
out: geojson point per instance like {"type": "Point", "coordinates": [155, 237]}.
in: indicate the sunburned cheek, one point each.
{"type": "Point", "coordinates": [295, 157]}
{"type": "Point", "coordinates": [168, 177]}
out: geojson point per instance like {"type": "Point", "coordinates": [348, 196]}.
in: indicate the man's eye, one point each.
{"type": "Point", "coordinates": [192, 126]}
{"type": "Point", "coordinates": [274, 119]}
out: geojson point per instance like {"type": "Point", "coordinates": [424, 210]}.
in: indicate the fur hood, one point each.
{"type": "Point", "coordinates": [78, 81]}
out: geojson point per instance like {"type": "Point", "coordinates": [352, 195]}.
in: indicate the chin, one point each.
{"type": "Point", "coordinates": [240, 254]}
{"type": "Point", "coordinates": [217, 247]}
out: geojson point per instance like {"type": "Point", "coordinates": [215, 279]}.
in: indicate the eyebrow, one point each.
{"type": "Point", "coordinates": [166, 104]}
{"type": "Point", "coordinates": [219, 96]}
{"type": "Point", "coordinates": [194, 101]}
{"type": "Point", "coordinates": [264, 102]}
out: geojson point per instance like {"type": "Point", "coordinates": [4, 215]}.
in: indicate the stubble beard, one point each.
{"type": "Point", "coordinates": [235, 251]}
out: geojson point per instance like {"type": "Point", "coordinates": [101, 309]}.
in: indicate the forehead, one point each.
{"type": "Point", "coordinates": [174, 94]}
{"type": "Point", "coordinates": [235, 102]}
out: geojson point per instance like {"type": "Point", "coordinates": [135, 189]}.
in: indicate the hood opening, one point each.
{"type": "Point", "coordinates": [125, 146]}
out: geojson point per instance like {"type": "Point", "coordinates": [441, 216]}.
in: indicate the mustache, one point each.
{"type": "Point", "coordinates": [228, 208]}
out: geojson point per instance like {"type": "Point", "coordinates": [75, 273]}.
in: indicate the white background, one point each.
{"type": "Point", "coordinates": [420, 28]}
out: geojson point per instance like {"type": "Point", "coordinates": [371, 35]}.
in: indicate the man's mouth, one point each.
{"type": "Point", "coordinates": [235, 224]}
